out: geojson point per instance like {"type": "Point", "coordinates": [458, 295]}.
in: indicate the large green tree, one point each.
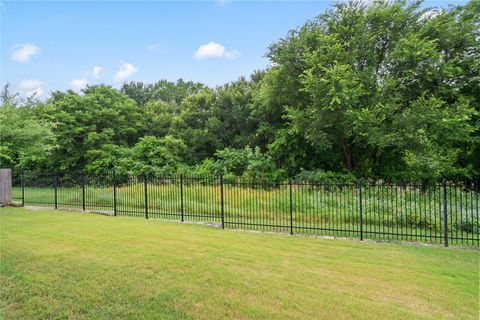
{"type": "Point", "coordinates": [385, 85]}
{"type": "Point", "coordinates": [234, 107]}
{"type": "Point", "coordinates": [86, 122]}
{"type": "Point", "coordinates": [26, 142]}
{"type": "Point", "coordinates": [196, 124]}
{"type": "Point", "coordinates": [163, 90]}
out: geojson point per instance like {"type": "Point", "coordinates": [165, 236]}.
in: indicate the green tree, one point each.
{"type": "Point", "coordinates": [111, 157]}
{"type": "Point", "coordinates": [154, 155]}
{"type": "Point", "coordinates": [163, 90]}
{"type": "Point", "coordinates": [379, 89]}
{"type": "Point", "coordinates": [379, 84]}
{"type": "Point", "coordinates": [101, 116]}
{"type": "Point", "coordinates": [196, 125]}
{"type": "Point", "coordinates": [25, 141]}
{"type": "Point", "coordinates": [234, 107]}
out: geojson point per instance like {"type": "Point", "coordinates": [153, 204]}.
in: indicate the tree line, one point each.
{"type": "Point", "coordinates": [380, 90]}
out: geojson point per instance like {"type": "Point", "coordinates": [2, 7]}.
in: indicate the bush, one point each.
{"type": "Point", "coordinates": [419, 221]}
{"type": "Point", "coordinates": [251, 165]}
{"type": "Point", "coordinates": [467, 226]}
{"type": "Point", "coordinates": [233, 161]}
{"type": "Point", "coordinates": [327, 177]}
{"type": "Point", "coordinates": [158, 156]}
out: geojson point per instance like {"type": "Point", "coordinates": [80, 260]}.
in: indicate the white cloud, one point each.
{"type": "Point", "coordinates": [232, 55]}
{"type": "Point", "coordinates": [96, 72]}
{"type": "Point", "coordinates": [23, 52]}
{"type": "Point", "coordinates": [155, 47]}
{"type": "Point", "coordinates": [209, 50]}
{"type": "Point", "coordinates": [78, 84]}
{"type": "Point", "coordinates": [31, 87]}
{"type": "Point", "coordinates": [215, 50]}
{"type": "Point", "coordinates": [126, 70]}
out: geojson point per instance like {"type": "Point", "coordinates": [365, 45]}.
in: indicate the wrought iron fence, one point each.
{"type": "Point", "coordinates": [444, 212]}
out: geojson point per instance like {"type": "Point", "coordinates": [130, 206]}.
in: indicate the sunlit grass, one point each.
{"type": "Point", "coordinates": [83, 266]}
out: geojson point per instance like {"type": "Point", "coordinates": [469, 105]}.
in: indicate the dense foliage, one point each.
{"type": "Point", "coordinates": [381, 90]}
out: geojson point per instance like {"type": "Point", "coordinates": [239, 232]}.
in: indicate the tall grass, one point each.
{"type": "Point", "coordinates": [389, 212]}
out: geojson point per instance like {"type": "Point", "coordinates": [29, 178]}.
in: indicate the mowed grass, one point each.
{"type": "Point", "coordinates": [58, 264]}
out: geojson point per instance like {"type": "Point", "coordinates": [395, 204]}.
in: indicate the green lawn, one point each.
{"type": "Point", "coordinates": [58, 264]}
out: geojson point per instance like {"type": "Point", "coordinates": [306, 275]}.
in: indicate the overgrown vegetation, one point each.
{"type": "Point", "coordinates": [397, 212]}
{"type": "Point", "coordinates": [380, 90]}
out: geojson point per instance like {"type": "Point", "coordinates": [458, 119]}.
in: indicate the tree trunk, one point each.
{"type": "Point", "coordinates": [347, 154]}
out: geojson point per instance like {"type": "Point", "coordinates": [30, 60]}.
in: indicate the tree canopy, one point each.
{"type": "Point", "coordinates": [381, 90]}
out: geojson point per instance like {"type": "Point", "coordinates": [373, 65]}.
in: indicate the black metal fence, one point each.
{"type": "Point", "coordinates": [445, 212]}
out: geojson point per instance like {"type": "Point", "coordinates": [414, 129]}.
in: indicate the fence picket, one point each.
{"type": "Point", "coordinates": [445, 222]}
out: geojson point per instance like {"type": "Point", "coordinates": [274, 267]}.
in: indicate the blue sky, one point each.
{"type": "Point", "coordinates": [49, 46]}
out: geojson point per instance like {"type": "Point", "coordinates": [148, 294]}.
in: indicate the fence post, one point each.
{"type": "Point", "coordinates": [83, 191]}
{"type": "Point", "coordinates": [146, 195]}
{"type": "Point", "coordinates": [360, 182]}
{"type": "Point", "coordinates": [445, 223]}
{"type": "Point", "coordinates": [181, 195]}
{"type": "Point", "coordinates": [222, 203]}
{"type": "Point", "coordinates": [55, 190]}
{"type": "Point", "coordinates": [291, 207]}
{"type": "Point", "coordinates": [5, 186]}
{"type": "Point", "coordinates": [23, 189]}
{"type": "Point", "coordinates": [114, 194]}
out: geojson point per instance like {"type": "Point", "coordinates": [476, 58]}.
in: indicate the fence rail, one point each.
{"type": "Point", "coordinates": [444, 212]}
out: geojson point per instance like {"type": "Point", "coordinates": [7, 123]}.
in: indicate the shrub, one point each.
{"type": "Point", "coordinates": [158, 156]}
{"type": "Point", "coordinates": [467, 226]}
{"type": "Point", "coordinates": [327, 177]}
{"type": "Point", "coordinates": [419, 221]}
